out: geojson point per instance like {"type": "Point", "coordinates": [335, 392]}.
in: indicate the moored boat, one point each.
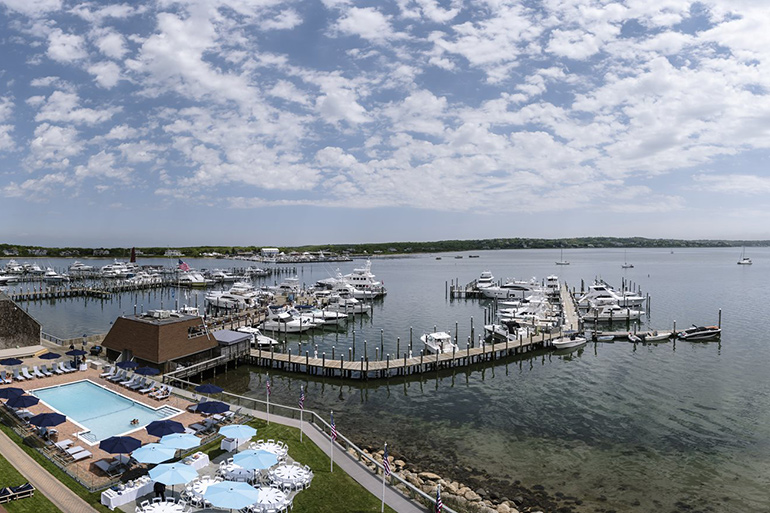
{"type": "Point", "coordinates": [568, 341]}
{"type": "Point", "coordinates": [656, 336]}
{"type": "Point", "coordinates": [439, 342]}
{"type": "Point", "coordinates": [700, 333]}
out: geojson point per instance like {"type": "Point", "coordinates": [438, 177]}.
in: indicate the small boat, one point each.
{"type": "Point", "coordinates": [459, 256]}
{"type": "Point", "coordinates": [656, 336]}
{"type": "Point", "coordinates": [633, 338]}
{"type": "Point", "coordinates": [473, 256]}
{"type": "Point", "coordinates": [626, 265]}
{"type": "Point", "coordinates": [562, 261]}
{"type": "Point", "coordinates": [568, 341]}
{"type": "Point", "coordinates": [700, 333]}
{"type": "Point", "coordinates": [744, 259]}
{"type": "Point", "coordinates": [257, 338]}
{"type": "Point", "coordinates": [438, 258]}
{"type": "Point", "coordinates": [439, 342]}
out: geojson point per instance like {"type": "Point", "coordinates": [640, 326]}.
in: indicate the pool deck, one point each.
{"type": "Point", "coordinates": [68, 429]}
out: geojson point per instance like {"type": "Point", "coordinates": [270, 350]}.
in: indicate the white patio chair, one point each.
{"type": "Point", "coordinates": [17, 376]}
{"type": "Point", "coordinates": [144, 504]}
{"type": "Point", "coordinates": [26, 374]}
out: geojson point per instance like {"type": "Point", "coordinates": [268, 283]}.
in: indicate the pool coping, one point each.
{"type": "Point", "coordinates": [86, 429]}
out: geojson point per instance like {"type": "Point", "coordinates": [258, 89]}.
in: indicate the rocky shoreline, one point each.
{"type": "Point", "coordinates": [473, 491]}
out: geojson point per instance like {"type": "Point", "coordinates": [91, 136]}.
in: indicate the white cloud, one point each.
{"type": "Point", "coordinates": [106, 74]}
{"type": "Point", "coordinates": [33, 8]}
{"type": "Point", "coordinates": [111, 44]}
{"type": "Point", "coordinates": [742, 184]}
{"type": "Point", "coordinates": [65, 107]}
{"type": "Point", "coordinates": [38, 189]}
{"type": "Point", "coordinates": [284, 20]}
{"type": "Point", "coordinates": [122, 132]}
{"type": "Point", "coordinates": [102, 165]}
{"type": "Point", "coordinates": [65, 47]}
{"type": "Point", "coordinates": [367, 23]}
{"type": "Point", "coordinates": [53, 146]}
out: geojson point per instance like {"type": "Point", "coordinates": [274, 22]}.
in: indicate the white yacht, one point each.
{"type": "Point", "coordinates": [280, 321]}
{"type": "Point", "coordinates": [257, 338]}
{"type": "Point", "coordinates": [347, 305]}
{"type": "Point", "coordinates": [744, 259]}
{"type": "Point", "coordinates": [485, 280]}
{"type": "Point", "coordinates": [51, 276]}
{"type": "Point", "coordinates": [611, 312]}
{"type": "Point", "coordinates": [439, 342]}
{"type": "Point", "coordinates": [118, 269]}
{"type": "Point", "coordinates": [222, 276]}
{"type": "Point", "coordinates": [363, 279]}
{"type": "Point", "coordinates": [192, 279]}
{"type": "Point", "coordinates": [601, 291]}
{"type": "Point", "coordinates": [33, 269]}
{"type": "Point", "coordinates": [80, 267]}
{"type": "Point", "coordinates": [510, 289]}
{"type": "Point", "coordinates": [288, 286]}
{"type": "Point", "coordinates": [8, 279]}
{"type": "Point", "coordinates": [568, 341]}
{"type": "Point", "coordinates": [13, 267]}
{"type": "Point", "coordinates": [325, 317]}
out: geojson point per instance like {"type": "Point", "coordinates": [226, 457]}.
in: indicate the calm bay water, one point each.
{"type": "Point", "coordinates": [658, 424]}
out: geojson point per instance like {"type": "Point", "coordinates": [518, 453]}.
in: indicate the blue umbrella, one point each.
{"type": "Point", "coordinates": [212, 407]}
{"type": "Point", "coordinates": [75, 352]}
{"type": "Point", "coordinates": [173, 473]}
{"type": "Point", "coordinates": [119, 444]}
{"type": "Point", "coordinates": [22, 401]}
{"type": "Point", "coordinates": [181, 441]}
{"type": "Point", "coordinates": [11, 361]}
{"type": "Point", "coordinates": [147, 371]}
{"type": "Point", "coordinates": [238, 431]}
{"type": "Point", "coordinates": [255, 459]}
{"type": "Point", "coordinates": [127, 364]}
{"type": "Point", "coordinates": [231, 495]}
{"type": "Point", "coordinates": [153, 453]}
{"type": "Point", "coordinates": [208, 388]}
{"type": "Point", "coordinates": [47, 419]}
{"type": "Point", "coordinates": [9, 392]}
{"type": "Point", "coordinates": [50, 356]}
{"type": "Point", "coordinates": [164, 427]}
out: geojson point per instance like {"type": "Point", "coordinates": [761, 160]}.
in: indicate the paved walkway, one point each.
{"type": "Point", "coordinates": [61, 496]}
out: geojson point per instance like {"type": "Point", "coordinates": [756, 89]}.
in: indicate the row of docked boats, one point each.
{"type": "Point", "coordinates": [603, 303]}
{"type": "Point", "coordinates": [695, 333]}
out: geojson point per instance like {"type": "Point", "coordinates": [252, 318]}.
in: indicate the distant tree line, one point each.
{"type": "Point", "coordinates": [15, 250]}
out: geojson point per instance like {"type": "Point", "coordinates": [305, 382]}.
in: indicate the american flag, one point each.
{"type": "Point", "coordinates": [183, 265]}
{"type": "Point", "coordinates": [334, 428]}
{"type": "Point", "coordinates": [301, 397]}
{"type": "Point", "coordinates": [385, 462]}
{"type": "Point", "coordinates": [439, 504]}
{"type": "Point", "coordinates": [267, 384]}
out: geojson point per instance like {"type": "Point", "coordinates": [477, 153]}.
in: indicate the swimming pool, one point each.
{"type": "Point", "coordinates": [101, 412]}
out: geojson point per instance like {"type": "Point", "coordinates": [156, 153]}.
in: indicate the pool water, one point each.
{"type": "Point", "coordinates": [101, 412]}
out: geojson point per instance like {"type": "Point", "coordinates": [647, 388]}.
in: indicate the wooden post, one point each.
{"type": "Point", "coordinates": [720, 319]}
{"type": "Point", "coordinates": [471, 327]}
{"type": "Point", "coordinates": [382, 341]}
{"type": "Point", "coordinates": [398, 346]}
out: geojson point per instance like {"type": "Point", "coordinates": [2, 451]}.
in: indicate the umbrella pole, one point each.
{"type": "Point", "coordinates": [300, 426]}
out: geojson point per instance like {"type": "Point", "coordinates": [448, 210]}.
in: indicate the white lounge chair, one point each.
{"type": "Point", "coordinates": [129, 381]}
{"type": "Point", "coordinates": [67, 367]}
{"type": "Point", "coordinates": [36, 372]}
{"type": "Point", "coordinates": [109, 373]}
{"type": "Point", "coordinates": [17, 376]}
{"type": "Point", "coordinates": [140, 383]}
{"type": "Point", "coordinates": [165, 393]}
{"type": "Point", "coordinates": [45, 371]}
{"type": "Point", "coordinates": [74, 450]}
{"type": "Point", "coordinates": [151, 387]}
{"type": "Point", "coordinates": [64, 444]}
{"type": "Point", "coordinates": [81, 455]}
{"type": "Point", "coordinates": [26, 374]}
{"type": "Point", "coordinates": [5, 378]}
{"type": "Point", "coordinates": [120, 376]}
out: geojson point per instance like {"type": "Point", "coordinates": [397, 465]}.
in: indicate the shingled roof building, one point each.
{"type": "Point", "coordinates": [17, 327]}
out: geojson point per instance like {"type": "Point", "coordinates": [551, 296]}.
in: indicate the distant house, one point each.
{"type": "Point", "coordinates": [173, 253]}
{"type": "Point", "coordinates": [11, 252]}
{"type": "Point", "coordinates": [17, 327]}
{"type": "Point", "coordinates": [101, 252]}
{"type": "Point", "coordinates": [38, 252]}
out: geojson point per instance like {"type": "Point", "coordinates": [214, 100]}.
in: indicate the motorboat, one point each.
{"type": "Point", "coordinates": [744, 259]}
{"type": "Point", "coordinates": [656, 336]}
{"type": "Point", "coordinates": [192, 279]}
{"type": "Point", "coordinates": [568, 341]}
{"type": "Point", "coordinates": [80, 267]}
{"type": "Point", "coordinates": [280, 320]}
{"type": "Point", "coordinates": [51, 276]}
{"type": "Point", "coordinates": [633, 338]}
{"type": "Point", "coordinates": [288, 286]}
{"type": "Point", "coordinates": [323, 316]}
{"type": "Point", "coordinates": [552, 286]}
{"type": "Point", "coordinates": [8, 279]}
{"type": "Point", "coordinates": [222, 276]}
{"type": "Point", "coordinates": [33, 269]}
{"type": "Point", "coordinates": [700, 333]}
{"type": "Point", "coordinates": [510, 289]}
{"type": "Point", "coordinates": [347, 305]}
{"type": "Point", "coordinates": [363, 279]}
{"type": "Point", "coordinates": [118, 269]}
{"type": "Point", "coordinates": [13, 267]}
{"type": "Point", "coordinates": [601, 292]}
{"type": "Point", "coordinates": [485, 280]}
{"type": "Point", "coordinates": [611, 312]}
{"type": "Point", "coordinates": [257, 338]}
{"type": "Point", "coordinates": [439, 342]}
{"type": "Point", "coordinates": [189, 310]}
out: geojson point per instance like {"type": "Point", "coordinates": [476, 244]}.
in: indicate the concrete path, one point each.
{"type": "Point", "coordinates": [61, 496]}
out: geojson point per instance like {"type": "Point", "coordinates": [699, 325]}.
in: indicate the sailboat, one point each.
{"type": "Point", "coordinates": [626, 265]}
{"type": "Point", "coordinates": [744, 259]}
{"type": "Point", "coordinates": [562, 261]}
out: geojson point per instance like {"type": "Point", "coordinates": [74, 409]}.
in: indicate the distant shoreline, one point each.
{"type": "Point", "coordinates": [373, 249]}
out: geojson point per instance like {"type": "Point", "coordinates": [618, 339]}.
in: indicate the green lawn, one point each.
{"type": "Point", "coordinates": [332, 492]}
{"type": "Point", "coordinates": [36, 503]}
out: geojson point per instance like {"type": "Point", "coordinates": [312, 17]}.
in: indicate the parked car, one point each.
{"type": "Point", "coordinates": [96, 350]}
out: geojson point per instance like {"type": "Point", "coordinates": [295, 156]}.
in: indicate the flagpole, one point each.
{"type": "Point", "coordinates": [268, 399]}
{"type": "Point", "coordinates": [300, 426]}
{"type": "Point", "coordinates": [382, 509]}
{"type": "Point", "coordinates": [331, 447]}
{"type": "Point", "coordinates": [301, 409]}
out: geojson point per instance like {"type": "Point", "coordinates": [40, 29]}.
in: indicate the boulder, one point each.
{"type": "Point", "coordinates": [471, 496]}
{"type": "Point", "coordinates": [430, 476]}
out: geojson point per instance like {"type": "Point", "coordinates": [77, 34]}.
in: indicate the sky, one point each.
{"type": "Point", "coordinates": [264, 122]}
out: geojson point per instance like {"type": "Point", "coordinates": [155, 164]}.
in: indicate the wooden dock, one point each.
{"type": "Point", "coordinates": [364, 368]}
